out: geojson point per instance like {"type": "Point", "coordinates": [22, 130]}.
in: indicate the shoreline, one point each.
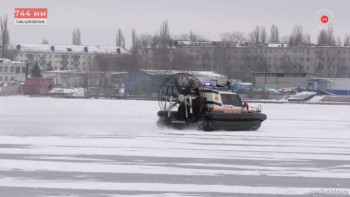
{"type": "Point", "coordinates": [155, 99]}
{"type": "Point", "coordinates": [296, 102]}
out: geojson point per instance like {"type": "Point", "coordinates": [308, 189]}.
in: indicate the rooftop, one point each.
{"type": "Point", "coordinates": [84, 72]}
{"type": "Point", "coordinates": [3, 60]}
{"type": "Point", "coordinates": [64, 48]}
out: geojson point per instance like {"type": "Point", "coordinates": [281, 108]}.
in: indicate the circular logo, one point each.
{"type": "Point", "coordinates": [325, 18]}
{"type": "Point", "coordinates": [216, 98]}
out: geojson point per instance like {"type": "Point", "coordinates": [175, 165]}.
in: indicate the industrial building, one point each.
{"type": "Point", "coordinates": [336, 86]}
{"type": "Point", "coordinates": [281, 80]}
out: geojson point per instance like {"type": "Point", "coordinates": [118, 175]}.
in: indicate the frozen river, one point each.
{"type": "Point", "coordinates": [102, 148]}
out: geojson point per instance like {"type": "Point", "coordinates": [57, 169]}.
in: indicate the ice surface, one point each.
{"type": "Point", "coordinates": [91, 147]}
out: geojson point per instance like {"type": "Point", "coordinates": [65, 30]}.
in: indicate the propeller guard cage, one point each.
{"type": "Point", "coordinates": [178, 89]}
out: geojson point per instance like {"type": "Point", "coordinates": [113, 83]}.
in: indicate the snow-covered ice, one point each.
{"type": "Point", "coordinates": [95, 147]}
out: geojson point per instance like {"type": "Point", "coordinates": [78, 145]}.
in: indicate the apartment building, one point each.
{"type": "Point", "coordinates": [11, 71]}
{"type": "Point", "coordinates": [62, 57]}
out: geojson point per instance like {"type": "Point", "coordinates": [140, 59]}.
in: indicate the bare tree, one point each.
{"type": "Point", "coordinates": [164, 34]}
{"type": "Point", "coordinates": [255, 35]}
{"type": "Point", "coordinates": [233, 37]}
{"type": "Point", "coordinates": [181, 37]}
{"type": "Point", "coordinates": [191, 37]}
{"type": "Point", "coordinates": [144, 43]}
{"type": "Point", "coordinates": [196, 37]}
{"type": "Point", "coordinates": [258, 35]}
{"type": "Point", "coordinates": [76, 38]}
{"type": "Point", "coordinates": [322, 38]}
{"type": "Point", "coordinates": [326, 37]}
{"type": "Point", "coordinates": [155, 39]}
{"type": "Point", "coordinates": [285, 39]}
{"type": "Point", "coordinates": [307, 38]}
{"type": "Point", "coordinates": [347, 40]}
{"type": "Point", "coordinates": [134, 46]}
{"type": "Point", "coordinates": [120, 40]}
{"type": "Point", "coordinates": [297, 36]}
{"type": "Point", "coordinates": [331, 40]}
{"type": "Point", "coordinates": [263, 35]}
{"type": "Point", "coordinates": [44, 41]}
{"type": "Point", "coordinates": [145, 40]}
{"type": "Point", "coordinates": [274, 37]}
{"type": "Point", "coordinates": [5, 36]}
{"type": "Point", "coordinates": [134, 49]}
{"type": "Point", "coordinates": [161, 51]}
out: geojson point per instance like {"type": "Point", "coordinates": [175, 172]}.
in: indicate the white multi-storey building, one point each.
{"type": "Point", "coordinates": [11, 71]}
{"type": "Point", "coordinates": [62, 57]}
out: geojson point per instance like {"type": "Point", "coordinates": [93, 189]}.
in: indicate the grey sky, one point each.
{"type": "Point", "coordinates": [99, 20]}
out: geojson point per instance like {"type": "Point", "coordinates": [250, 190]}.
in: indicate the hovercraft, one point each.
{"type": "Point", "coordinates": [184, 102]}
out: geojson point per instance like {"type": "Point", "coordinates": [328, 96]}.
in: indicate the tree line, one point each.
{"type": "Point", "coordinates": [155, 52]}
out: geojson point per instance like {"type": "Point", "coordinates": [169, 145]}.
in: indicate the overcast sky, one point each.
{"type": "Point", "coordinates": [99, 20]}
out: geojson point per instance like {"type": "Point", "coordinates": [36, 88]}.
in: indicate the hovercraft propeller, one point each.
{"type": "Point", "coordinates": [179, 91]}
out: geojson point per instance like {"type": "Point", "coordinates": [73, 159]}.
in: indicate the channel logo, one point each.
{"type": "Point", "coordinates": [30, 16]}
